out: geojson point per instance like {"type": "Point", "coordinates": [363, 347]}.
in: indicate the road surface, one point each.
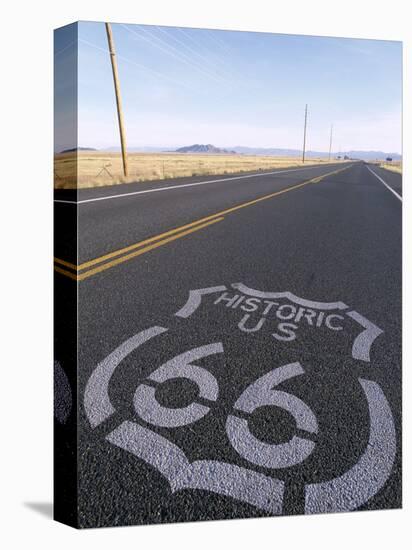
{"type": "Point", "coordinates": [276, 387]}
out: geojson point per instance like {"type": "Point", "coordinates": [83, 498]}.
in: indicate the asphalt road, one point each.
{"type": "Point", "coordinates": [275, 391]}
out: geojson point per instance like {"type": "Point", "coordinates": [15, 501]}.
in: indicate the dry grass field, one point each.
{"type": "Point", "coordinates": [97, 168]}
{"type": "Point", "coordinates": [394, 166]}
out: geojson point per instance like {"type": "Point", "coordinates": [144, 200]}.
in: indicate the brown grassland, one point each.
{"type": "Point", "coordinates": [393, 166]}
{"type": "Point", "coordinates": [97, 168]}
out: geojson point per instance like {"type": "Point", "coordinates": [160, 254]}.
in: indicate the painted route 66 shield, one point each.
{"type": "Point", "coordinates": [243, 394]}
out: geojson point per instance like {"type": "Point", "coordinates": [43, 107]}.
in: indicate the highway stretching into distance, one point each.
{"type": "Point", "coordinates": [239, 343]}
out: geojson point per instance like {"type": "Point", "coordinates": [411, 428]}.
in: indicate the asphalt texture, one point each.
{"type": "Point", "coordinates": [289, 398]}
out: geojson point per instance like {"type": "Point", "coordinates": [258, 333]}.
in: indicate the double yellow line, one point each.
{"type": "Point", "coordinates": [97, 265]}
{"type": "Point", "coordinates": [78, 274]}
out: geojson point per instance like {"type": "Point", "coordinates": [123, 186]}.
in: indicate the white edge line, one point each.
{"type": "Point", "coordinates": [385, 184]}
{"type": "Point", "coordinates": [65, 202]}
{"type": "Point", "coordinates": [184, 185]}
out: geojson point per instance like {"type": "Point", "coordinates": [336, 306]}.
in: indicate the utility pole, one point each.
{"type": "Point", "coordinates": [304, 134]}
{"type": "Point", "coordinates": [118, 98]}
{"type": "Point", "coordinates": [330, 141]}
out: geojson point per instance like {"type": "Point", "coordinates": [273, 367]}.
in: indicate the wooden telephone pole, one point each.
{"type": "Point", "coordinates": [330, 141]}
{"type": "Point", "coordinates": [118, 98]}
{"type": "Point", "coordinates": [304, 134]}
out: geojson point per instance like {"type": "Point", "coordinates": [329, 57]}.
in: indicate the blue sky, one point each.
{"type": "Point", "coordinates": [184, 86]}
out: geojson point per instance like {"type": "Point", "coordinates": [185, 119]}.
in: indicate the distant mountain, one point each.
{"type": "Point", "coordinates": [208, 149]}
{"type": "Point", "coordinates": [78, 149]}
{"type": "Point", "coordinates": [364, 155]}
{"type": "Point", "coordinates": [239, 149]}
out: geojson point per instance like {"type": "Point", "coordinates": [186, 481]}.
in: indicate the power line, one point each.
{"type": "Point", "coordinates": [197, 43]}
{"type": "Point", "coordinates": [65, 48]}
{"type": "Point", "coordinates": [200, 56]}
{"type": "Point", "coordinates": [170, 50]}
{"type": "Point", "coordinates": [218, 41]}
{"type": "Point", "coordinates": [140, 66]}
{"type": "Point", "coordinates": [193, 62]}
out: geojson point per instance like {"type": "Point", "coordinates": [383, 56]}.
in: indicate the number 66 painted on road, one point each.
{"type": "Point", "coordinates": [258, 394]}
{"type": "Point", "coordinates": [346, 492]}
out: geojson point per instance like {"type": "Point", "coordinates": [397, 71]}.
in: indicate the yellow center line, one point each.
{"type": "Point", "coordinates": [169, 236]}
{"type": "Point", "coordinates": [65, 272]}
{"type": "Point", "coordinates": [122, 259]}
{"type": "Point", "coordinates": [66, 264]}
{"type": "Point", "coordinates": [120, 251]}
